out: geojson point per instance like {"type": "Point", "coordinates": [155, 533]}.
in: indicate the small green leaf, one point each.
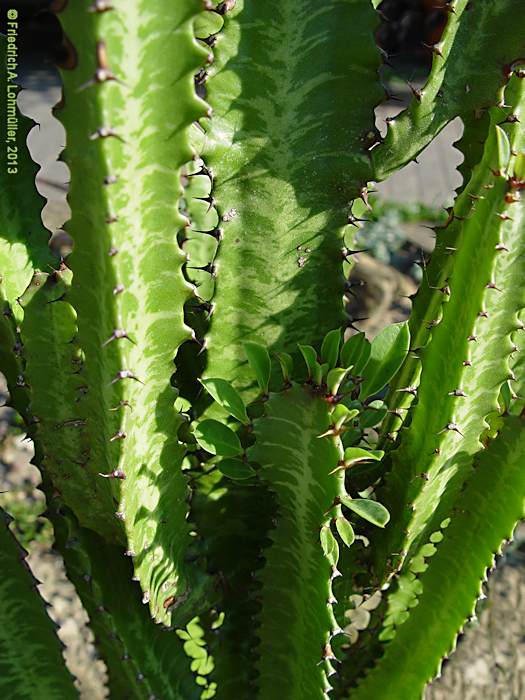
{"type": "Point", "coordinates": [259, 361]}
{"type": "Point", "coordinates": [310, 357]}
{"type": "Point", "coordinates": [503, 148]}
{"type": "Point", "coordinates": [355, 353]}
{"type": "Point", "coordinates": [330, 347]}
{"type": "Point", "coordinates": [345, 530]}
{"type": "Point", "coordinates": [370, 510]}
{"type": "Point", "coordinates": [341, 414]}
{"type": "Point", "coordinates": [329, 545]}
{"type": "Point", "coordinates": [519, 166]}
{"type": "Point", "coordinates": [335, 378]}
{"type": "Point", "coordinates": [351, 436]}
{"type": "Point", "coordinates": [358, 454]}
{"type": "Point", "coordinates": [217, 438]}
{"type": "Point", "coordinates": [373, 415]}
{"type": "Point", "coordinates": [235, 469]}
{"type": "Point", "coordinates": [182, 405]}
{"type": "Point", "coordinates": [227, 397]}
{"type": "Point", "coordinates": [317, 374]}
{"type": "Point", "coordinates": [389, 349]}
{"type": "Point", "coordinates": [505, 396]}
{"type": "Point", "coordinates": [286, 362]}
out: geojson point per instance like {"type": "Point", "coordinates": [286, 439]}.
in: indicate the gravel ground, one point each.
{"type": "Point", "coordinates": [20, 497]}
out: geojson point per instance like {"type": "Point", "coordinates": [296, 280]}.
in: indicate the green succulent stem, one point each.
{"type": "Point", "coordinates": [288, 155]}
{"type": "Point", "coordinates": [31, 662]}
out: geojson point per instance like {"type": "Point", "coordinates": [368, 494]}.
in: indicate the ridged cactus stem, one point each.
{"type": "Point", "coordinates": [488, 511]}
{"type": "Point", "coordinates": [471, 46]}
{"type": "Point", "coordinates": [296, 619]}
{"type": "Point", "coordinates": [30, 654]}
{"type": "Point", "coordinates": [128, 118]}
{"type": "Point", "coordinates": [464, 365]}
{"type": "Point", "coordinates": [288, 149]}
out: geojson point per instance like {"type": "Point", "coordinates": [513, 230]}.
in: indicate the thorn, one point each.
{"type": "Point", "coordinates": [472, 338]}
{"type": "Point", "coordinates": [453, 427]}
{"type": "Point", "coordinates": [217, 233]}
{"type": "Point", "coordinates": [210, 268]}
{"type": "Point", "coordinates": [335, 572]}
{"type": "Point", "coordinates": [504, 217]}
{"type": "Point", "coordinates": [349, 284]}
{"type": "Point", "coordinates": [100, 6]}
{"type": "Point", "coordinates": [328, 653]}
{"type": "Point", "coordinates": [444, 290]}
{"type": "Point", "coordinates": [116, 335]}
{"type": "Point", "coordinates": [111, 218]}
{"type": "Point", "coordinates": [364, 196]}
{"type": "Point", "coordinates": [102, 73]}
{"type": "Point", "coordinates": [510, 119]}
{"type": "Point", "coordinates": [483, 314]}
{"type": "Point", "coordinates": [200, 78]}
{"type": "Point", "coordinates": [125, 374]}
{"type": "Point", "coordinates": [116, 474]}
{"type": "Point", "coordinates": [492, 285]}
{"type": "Point", "coordinates": [121, 404]}
{"type": "Point", "coordinates": [457, 392]}
{"type": "Point", "coordinates": [467, 363]}
{"type": "Point", "coordinates": [209, 199]}
{"type": "Point", "coordinates": [348, 252]}
{"type": "Point", "coordinates": [409, 390]}
{"type": "Point", "coordinates": [475, 197]}
{"type": "Point", "coordinates": [224, 7]}
{"type": "Point", "coordinates": [110, 179]}
{"type": "Point", "coordinates": [120, 516]}
{"type": "Point", "coordinates": [432, 324]}
{"type": "Point", "coordinates": [104, 132]}
{"type": "Point", "coordinates": [418, 94]}
{"type": "Point", "coordinates": [434, 48]}
{"type": "Point", "coordinates": [350, 323]}
{"type": "Point", "coordinates": [112, 251]}
{"type": "Point", "coordinates": [203, 171]}
{"type": "Point", "coordinates": [500, 246]}
{"type": "Point", "coordinates": [118, 289]}
{"type": "Point", "coordinates": [353, 221]}
{"type": "Point", "coordinates": [119, 435]}
{"type": "Point", "coordinates": [203, 345]}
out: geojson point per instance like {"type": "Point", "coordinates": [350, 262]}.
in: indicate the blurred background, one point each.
{"type": "Point", "coordinates": [398, 237]}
